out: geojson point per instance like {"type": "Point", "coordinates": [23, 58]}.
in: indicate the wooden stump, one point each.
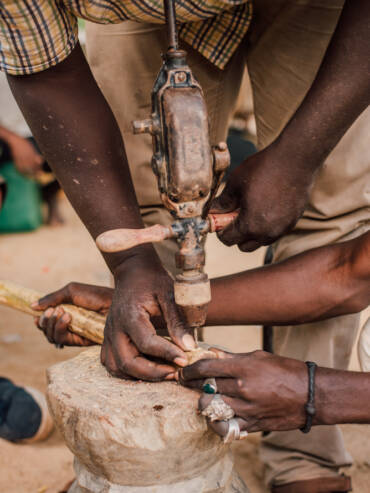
{"type": "Point", "coordinates": [136, 437]}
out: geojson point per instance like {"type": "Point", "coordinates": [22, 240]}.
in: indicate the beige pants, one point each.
{"type": "Point", "coordinates": [285, 48]}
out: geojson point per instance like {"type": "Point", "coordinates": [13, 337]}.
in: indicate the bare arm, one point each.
{"type": "Point", "coordinates": [318, 284]}
{"type": "Point", "coordinates": [269, 392]}
{"type": "Point", "coordinates": [272, 187]}
{"type": "Point", "coordinates": [325, 282]}
{"type": "Point", "coordinates": [80, 139]}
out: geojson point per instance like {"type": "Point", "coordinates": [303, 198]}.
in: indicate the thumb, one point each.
{"type": "Point", "coordinates": [52, 299]}
{"type": "Point", "coordinates": [226, 202]}
{"type": "Point", "coordinates": [180, 335]}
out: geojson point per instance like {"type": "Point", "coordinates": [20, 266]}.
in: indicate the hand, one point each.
{"type": "Point", "coordinates": [271, 192]}
{"type": "Point", "coordinates": [143, 291]}
{"type": "Point", "coordinates": [54, 322]}
{"type": "Point", "coordinates": [26, 159]}
{"type": "Point", "coordinates": [267, 392]}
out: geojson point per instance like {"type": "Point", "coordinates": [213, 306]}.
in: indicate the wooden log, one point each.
{"type": "Point", "coordinates": [85, 323]}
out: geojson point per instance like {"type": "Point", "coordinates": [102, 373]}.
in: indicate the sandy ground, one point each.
{"type": "Point", "coordinates": [45, 261]}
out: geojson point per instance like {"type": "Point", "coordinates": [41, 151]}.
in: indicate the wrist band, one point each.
{"type": "Point", "coordinates": [310, 405]}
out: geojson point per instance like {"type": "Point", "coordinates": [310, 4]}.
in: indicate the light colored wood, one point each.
{"type": "Point", "coordinates": [117, 240]}
{"type": "Point", "coordinates": [85, 323]}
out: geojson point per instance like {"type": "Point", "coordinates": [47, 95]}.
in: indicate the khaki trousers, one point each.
{"type": "Point", "coordinates": [285, 48]}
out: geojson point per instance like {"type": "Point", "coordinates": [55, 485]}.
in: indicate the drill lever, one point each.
{"type": "Point", "coordinates": [117, 240]}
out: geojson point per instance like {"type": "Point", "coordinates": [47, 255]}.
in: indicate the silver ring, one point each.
{"type": "Point", "coordinates": [209, 386]}
{"type": "Point", "coordinates": [218, 410]}
{"type": "Point", "coordinates": [243, 434]}
{"type": "Point", "coordinates": [233, 432]}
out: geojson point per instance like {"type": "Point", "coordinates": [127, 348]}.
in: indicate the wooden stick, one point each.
{"type": "Point", "coordinates": [85, 323]}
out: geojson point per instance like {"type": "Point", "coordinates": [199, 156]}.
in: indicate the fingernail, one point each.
{"type": "Point", "coordinates": [66, 317]}
{"type": "Point", "coordinates": [49, 312]}
{"type": "Point", "coordinates": [188, 342]}
{"type": "Point", "coordinates": [35, 304]}
{"type": "Point", "coordinates": [170, 376]}
{"type": "Point", "coordinates": [180, 361]}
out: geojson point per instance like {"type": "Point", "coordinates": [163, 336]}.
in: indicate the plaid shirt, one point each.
{"type": "Point", "coordinates": [38, 34]}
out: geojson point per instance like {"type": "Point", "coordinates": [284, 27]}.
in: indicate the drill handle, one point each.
{"type": "Point", "coordinates": [117, 240]}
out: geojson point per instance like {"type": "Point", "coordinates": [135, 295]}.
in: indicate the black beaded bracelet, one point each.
{"type": "Point", "coordinates": [310, 406]}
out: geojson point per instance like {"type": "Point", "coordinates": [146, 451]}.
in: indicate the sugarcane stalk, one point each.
{"type": "Point", "coordinates": [85, 323]}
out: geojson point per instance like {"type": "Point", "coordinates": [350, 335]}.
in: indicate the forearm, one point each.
{"type": "Point", "coordinates": [341, 397]}
{"type": "Point", "coordinates": [339, 93]}
{"type": "Point", "coordinates": [80, 139]}
{"type": "Point", "coordinates": [318, 284]}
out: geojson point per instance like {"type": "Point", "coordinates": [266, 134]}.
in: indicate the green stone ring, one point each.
{"type": "Point", "coordinates": [210, 386]}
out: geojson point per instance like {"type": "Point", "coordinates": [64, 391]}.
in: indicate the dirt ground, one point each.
{"type": "Point", "coordinates": [45, 261]}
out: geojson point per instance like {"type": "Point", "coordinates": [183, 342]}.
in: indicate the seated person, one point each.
{"type": "Point", "coordinates": [321, 283]}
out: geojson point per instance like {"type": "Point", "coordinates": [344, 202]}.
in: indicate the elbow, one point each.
{"type": "Point", "coordinates": [360, 301]}
{"type": "Point", "coordinates": [357, 298]}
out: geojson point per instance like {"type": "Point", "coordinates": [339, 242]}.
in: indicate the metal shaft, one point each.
{"type": "Point", "coordinates": [170, 14]}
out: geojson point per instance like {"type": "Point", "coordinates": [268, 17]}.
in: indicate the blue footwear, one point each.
{"type": "Point", "coordinates": [24, 416]}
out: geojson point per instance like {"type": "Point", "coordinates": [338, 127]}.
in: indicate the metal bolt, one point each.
{"type": "Point", "coordinates": [180, 77]}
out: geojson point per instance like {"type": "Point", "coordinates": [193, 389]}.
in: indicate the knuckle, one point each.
{"type": "Point", "coordinates": [259, 354]}
{"type": "Point", "coordinates": [70, 288]}
{"type": "Point", "coordinates": [201, 366]}
{"type": "Point", "coordinates": [145, 345]}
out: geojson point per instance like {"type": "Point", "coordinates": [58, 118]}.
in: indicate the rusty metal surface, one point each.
{"type": "Point", "coordinates": [189, 164]}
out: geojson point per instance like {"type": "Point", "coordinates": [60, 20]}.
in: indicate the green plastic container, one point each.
{"type": "Point", "coordinates": [22, 206]}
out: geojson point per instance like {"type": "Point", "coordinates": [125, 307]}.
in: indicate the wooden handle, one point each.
{"type": "Point", "coordinates": [85, 323]}
{"type": "Point", "coordinates": [117, 240]}
{"type": "Point", "coordinates": [217, 222]}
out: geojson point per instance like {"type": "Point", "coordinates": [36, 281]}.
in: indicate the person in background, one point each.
{"type": "Point", "coordinates": [17, 145]}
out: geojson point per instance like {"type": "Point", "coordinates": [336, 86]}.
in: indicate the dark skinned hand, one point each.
{"type": "Point", "coordinates": [143, 290]}
{"type": "Point", "coordinates": [266, 391]}
{"type": "Point", "coordinates": [54, 322]}
{"type": "Point", "coordinates": [271, 193]}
